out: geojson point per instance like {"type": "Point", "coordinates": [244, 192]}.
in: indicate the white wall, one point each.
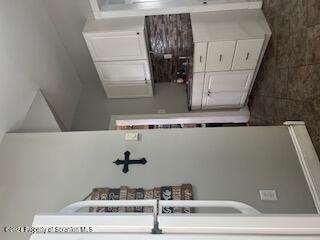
{"type": "Point", "coordinates": [44, 172]}
{"type": "Point", "coordinates": [1, 135]}
{"type": "Point", "coordinates": [95, 109]}
{"type": "Point", "coordinates": [40, 117]}
{"type": "Point", "coordinates": [69, 18]}
{"type": "Point", "coordinates": [32, 57]}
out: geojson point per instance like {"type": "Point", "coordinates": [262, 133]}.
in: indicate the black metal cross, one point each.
{"type": "Point", "coordinates": [126, 162]}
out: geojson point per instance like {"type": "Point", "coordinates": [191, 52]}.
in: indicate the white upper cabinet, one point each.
{"type": "Point", "coordinates": [200, 57]}
{"type": "Point", "coordinates": [118, 46]}
{"type": "Point", "coordinates": [220, 55]}
{"type": "Point", "coordinates": [247, 54]}
{"type": "Point", "coordinates": [123, 71]}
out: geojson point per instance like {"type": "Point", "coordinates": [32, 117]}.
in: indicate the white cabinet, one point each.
{"type": "Point", "coordinates": [247, 54]}
{"type": "Point", "coordinates": [197, 90]}
{"type": "Point", "coordinates": [119, 51]}
{"type": "Point", "coordinates": [224, 100]}
{"type": "Point", "coordinates": [224, 86]}
{"type": "Point", "coordinates": [220, 55]}
{"type": "Point", "coordinates": [228, 81]}
{"type": "Point", "coordinates": [200, 57]}
{"type": "Point", "coordinates": [117, 46]}
{"type": "Point", "coordinates": [226, 89]}
{"type": "Point", "coordinates": [123, 71]}
{"type": "Point", "coordinates": [228, 49]}
{"type": "Point", "coordinates": [128, 90]}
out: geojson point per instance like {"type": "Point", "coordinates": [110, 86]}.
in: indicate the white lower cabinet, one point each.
{"type": "Point", "coordinates": [125, 79]}
{"type": "Point", "coordinates": [247, 54]}
{"type": "Point", "coordinates": [197, 90]}
{"type": "Point", "coordinates": [119, 50]}
{"type": "Point", "coordinates": [220, 55]}
{"type": "Point", "coordinates": [226, 89]}
{"type": "Point", "coordinates": [123, 71]}
{"type": "Point", "coordinates": [128, 90]}
{"type": "Point", "coordinates": [224, 100]}
{"type": "Point", "coordinates": [228, 81]}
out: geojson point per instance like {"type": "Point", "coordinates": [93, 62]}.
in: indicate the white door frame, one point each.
{"type": "Point", "coordinates": [308, 158]}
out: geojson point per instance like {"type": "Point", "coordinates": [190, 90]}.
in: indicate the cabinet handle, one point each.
{"type": "Point", "coordinates": [200, 59]}
{"type": "Point", "coordinates": [248, 54]}
{"type": "Point", "coordinates": [220, 59]}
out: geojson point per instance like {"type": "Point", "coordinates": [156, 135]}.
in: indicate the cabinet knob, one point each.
{"type": "Point", "coordinates": [138, 33]}
{"type": "Point", "coordinates": [209, 93]}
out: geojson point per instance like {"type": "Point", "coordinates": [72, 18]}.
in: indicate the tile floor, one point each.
{"type": "Point", "coordinates": [288, 84]}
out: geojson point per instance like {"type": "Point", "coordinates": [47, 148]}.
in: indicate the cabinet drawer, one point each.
{"type": "Point", "coordinates": [247, 54]}
{"type": "Point", "coordinates": [228, 81]}
{"type": "Point", "coordinates": [123, 71]}
{"type": "Point", "coordinates": [200, 57]}
{"type": "Point", "coordinates": [117, 46]}
{"type": "Point", "coordinates": [128, 90]}
{"type": "Point", "coordinates": [220, 55]}
{"type": "Point", "coordinates": [224, 100]}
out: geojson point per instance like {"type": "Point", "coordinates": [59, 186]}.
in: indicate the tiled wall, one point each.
{"type": "Point", "coordinates": [169, 34]}
{"type": "Point", "coordinates": [288, 84]}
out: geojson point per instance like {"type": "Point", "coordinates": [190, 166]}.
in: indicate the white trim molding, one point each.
{"type": "Point", "coordinates": [308, 158]}
{"type": "Point", "coordinates": [222, 116]}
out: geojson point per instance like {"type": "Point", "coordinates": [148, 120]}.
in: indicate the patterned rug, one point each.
{"type": "Point", "coordinates": [183, 192]}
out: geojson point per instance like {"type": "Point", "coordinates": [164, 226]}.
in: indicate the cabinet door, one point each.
{"type": "Point", "coordinates": [197, 90]}
{"type": "Point", "coordinates": [123, 71]}
{"type": "Point", "coordinates": [229, 81]}
{"type": "Point", "coordinates": [247, 54]}
{"type": "Point", "coordinates": [224, 100]}
{"type": "Point", "coordinates": [226, 89]}
{"type": "Point", "coordinates": [117, 46]}
{"type": "Point", "coordinates": [200, 57]}
{"type": "Point", "coordinates": [220, 55]}
{"type": "Point", "coordinates": [128, 90]}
